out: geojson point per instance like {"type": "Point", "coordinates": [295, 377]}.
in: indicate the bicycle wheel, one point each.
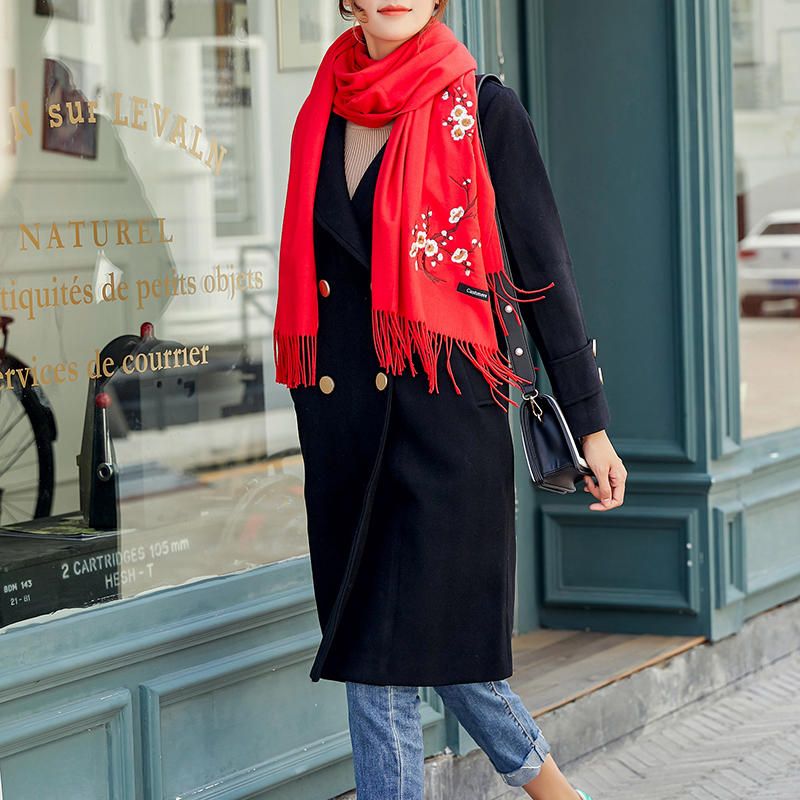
{"type": "Point", "coordinates": [27, 463]}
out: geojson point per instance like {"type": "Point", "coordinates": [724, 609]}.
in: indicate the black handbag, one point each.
{"type": "Point", "coordinates": [554, 457]}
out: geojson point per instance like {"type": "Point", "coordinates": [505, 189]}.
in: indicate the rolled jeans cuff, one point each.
{"type": "Point", "coordinates": [531, 765]}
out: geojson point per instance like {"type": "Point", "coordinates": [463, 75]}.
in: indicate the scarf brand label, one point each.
{"type": "Point", "coordinates": [472, 291]}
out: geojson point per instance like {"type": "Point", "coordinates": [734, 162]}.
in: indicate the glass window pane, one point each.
{"type": "Point", "coordinates": [766, 80]}
{"type": "Point", "coordinates": [143, 440]}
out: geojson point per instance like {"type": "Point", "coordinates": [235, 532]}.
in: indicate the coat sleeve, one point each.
{"type": "Point", "coordinates": [538, 254]}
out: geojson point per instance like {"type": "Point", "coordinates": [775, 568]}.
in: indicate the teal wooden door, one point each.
{"type": "Point", "coordinates": [633, 104]}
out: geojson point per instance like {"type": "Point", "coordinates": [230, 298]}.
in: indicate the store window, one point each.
{"type": "Point", "coordinates": [766, 81]}
{"type": "Point", "coordinates": [143, 158]}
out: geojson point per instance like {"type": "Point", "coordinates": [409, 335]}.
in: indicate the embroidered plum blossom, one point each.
{"type": "Point", "coordinates": [429, 248]}
{"type": "Point", "coordinates": [459, 119]}
{"type": "Point", "coordinates": [430, 243]}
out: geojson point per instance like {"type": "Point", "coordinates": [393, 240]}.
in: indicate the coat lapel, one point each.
{"type": "Point", "coordinates": [348, 221]}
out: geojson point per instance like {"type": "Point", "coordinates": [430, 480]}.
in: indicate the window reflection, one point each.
{"type": "Point", "coordinates": [766, 54]}
{"type": "Point", "coordinates": [143, 440]}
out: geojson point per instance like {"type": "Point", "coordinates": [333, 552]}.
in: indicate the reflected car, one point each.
{"type": "Point", "coordinates": [769, 262]}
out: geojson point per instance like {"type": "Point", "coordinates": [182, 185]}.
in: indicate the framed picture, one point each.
{"type": "Point", "coordinates": [69, 82]}
{"type": "Point", "coordinates": [306, 29]}
{"type": "Point", "coordinates": [72, 10]}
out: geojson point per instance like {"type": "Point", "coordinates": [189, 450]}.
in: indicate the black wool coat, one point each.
{"type": "Point", "coordinates": [410, 495]}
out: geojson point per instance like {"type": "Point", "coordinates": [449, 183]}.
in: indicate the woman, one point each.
{"type": "Point", "coordinates": [390, 270]}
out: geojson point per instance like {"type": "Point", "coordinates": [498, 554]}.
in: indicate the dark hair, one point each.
{"type": "Point", "coordinates": [348, 15]}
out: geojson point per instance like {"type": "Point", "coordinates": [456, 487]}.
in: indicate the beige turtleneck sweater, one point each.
{"type": "Point", "coordinates": [361, 145]}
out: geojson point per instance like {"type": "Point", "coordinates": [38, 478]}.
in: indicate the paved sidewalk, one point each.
{"type": "Point", "coordinates": [740, 742]}
{"type": "Point", "coordinates": [735, 733]}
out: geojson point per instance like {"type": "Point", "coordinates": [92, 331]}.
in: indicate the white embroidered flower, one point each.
{"type": "Point", "coordinates": [458, 111]}
{"type": "Point", "coordinates": [413, 251]}
{"type": "Point", "coordinates": [421, 239]}
{"type": "Point", "coordinates": [467, 271]}
{"type": "Point", "coordinates": [445, 94]}
{"type": "Point", "coordinates": [459, 255]}
{"type": "Point", "coordinates": [466, 122]}
{"type": "Point", "coordinates": [456, 214]}
{"type": "Point", "coordinates": [457, 132]}
{"type": "Point", "coordinates": [431, 248]}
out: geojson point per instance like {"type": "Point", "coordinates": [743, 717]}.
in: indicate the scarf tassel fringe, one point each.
{"type": "Point", "coordinates": [397, 339]}
{"type": "Point", "coordinates": [295, 359]}
{"type": "Point", "coordinates": [501, 296]}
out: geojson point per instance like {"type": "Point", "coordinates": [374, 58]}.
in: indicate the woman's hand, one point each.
{"type": "Point", "coordinates": [609, 469]}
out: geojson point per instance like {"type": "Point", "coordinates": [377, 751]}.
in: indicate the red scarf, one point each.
{"type": "Point", "coordinates": [437, 265]}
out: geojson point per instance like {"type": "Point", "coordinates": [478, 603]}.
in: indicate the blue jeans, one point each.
{"type": "Point", "coordinates": [386, 735]}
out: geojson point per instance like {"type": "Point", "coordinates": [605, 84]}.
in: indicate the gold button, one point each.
{"type": "Point", "coordinates": [381, 381]}
{"type": "Point", "coordinates": [326, 384]}
{"type": "Point", "coordinates": [324, 288]}
{"type": "Point", "coordinates": [600, 373]}
{"type": "Point", "coordinates": [594, 347]}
